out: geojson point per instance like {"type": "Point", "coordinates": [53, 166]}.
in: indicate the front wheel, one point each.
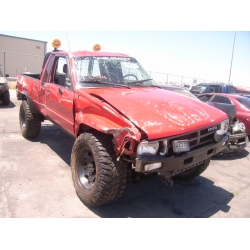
{"type": "Point", "coordinates": [193, 172]}
{"type": "Point", "coordinates": [30, 123]}
{"type": "Point", "coordinates": [97, 176]}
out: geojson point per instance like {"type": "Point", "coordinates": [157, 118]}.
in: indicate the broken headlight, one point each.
{"type": "Point", "coordinates": [148, 148]}
{"type": "Point", "coordinates": [238, 127]}
{"type": "Point", "coordinates": [225, 125]}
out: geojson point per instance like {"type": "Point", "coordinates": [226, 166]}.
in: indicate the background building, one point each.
{"type": "Point", "coordinates": [18, 55]}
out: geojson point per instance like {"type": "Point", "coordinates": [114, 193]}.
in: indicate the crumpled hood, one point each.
{"type": "Point", "coordinates": [160, 113]}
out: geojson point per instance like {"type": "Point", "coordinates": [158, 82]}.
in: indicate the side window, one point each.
{"type": "Point", "coordinates": [59, 67]}
{"type": "Point", "coordinates": [60, 72]}
{"type": "Point", "coordinates": [221, 99]}
{"type": "Point", "coordinates": [215, 89]}
{"type": "Point", "coordinates": [232, 89]}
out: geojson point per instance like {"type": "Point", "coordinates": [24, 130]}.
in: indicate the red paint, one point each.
{"type": "Point", "coordinates": [129, 114]}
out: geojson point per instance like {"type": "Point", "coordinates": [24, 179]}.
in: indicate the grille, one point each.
{"type": "Point", "coordinates": [196, 139]}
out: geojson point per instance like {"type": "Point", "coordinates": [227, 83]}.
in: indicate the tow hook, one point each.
{"type": "Point", "coordinates": [167, 180]}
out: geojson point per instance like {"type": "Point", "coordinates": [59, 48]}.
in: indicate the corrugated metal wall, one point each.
{"type": "Point", "coordinates": [18, 55]}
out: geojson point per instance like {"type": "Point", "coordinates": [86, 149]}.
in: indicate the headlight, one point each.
{"type": "Point", "coordinates": [238, 127]}
{"type": "Point", "coordinates": [225, 125]}
{"type": "Point", "coordinates": [147, 148]}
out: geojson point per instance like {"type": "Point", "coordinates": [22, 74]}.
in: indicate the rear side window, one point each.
{"type": "Point", "coordinates": [244, 101]}
{"type": "Point", "coordinates": [214, 89]}
{"type": "Point", "coordinates": [232, 89]}
{"type": "Point", "coordinates": [221, 99]}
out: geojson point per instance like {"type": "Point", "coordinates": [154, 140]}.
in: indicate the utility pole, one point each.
{"type": "Point", "coordinates": [231, 59]}
{"type": "Point", "coordinates": [4, 62]}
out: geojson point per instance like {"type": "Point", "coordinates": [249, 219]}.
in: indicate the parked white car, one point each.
{"type": "Point", "coordinates": [4, 89]}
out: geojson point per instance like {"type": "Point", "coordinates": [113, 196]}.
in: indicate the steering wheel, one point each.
{"type": "Point", "coordinates": [131, 75]}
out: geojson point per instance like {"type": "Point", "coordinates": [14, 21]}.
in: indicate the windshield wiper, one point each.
{"type": "Point", "coordinates": [140, 81]}
{"type": "Point", "coordinates": [101, 82]}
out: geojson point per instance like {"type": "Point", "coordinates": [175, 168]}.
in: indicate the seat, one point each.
{"type": "Point", "coordinates": [65, 69]}
{"type": "Point", "coordinates": [61, 80]}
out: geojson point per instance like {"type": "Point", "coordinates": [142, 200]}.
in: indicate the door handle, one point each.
{"type": "Point", "coordinates": [61, 91]}
{"type": "Point", "coordinates": [48, 90]}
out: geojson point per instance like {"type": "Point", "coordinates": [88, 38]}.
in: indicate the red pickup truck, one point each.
{"type": "Point", "coordinates": [124, 125]}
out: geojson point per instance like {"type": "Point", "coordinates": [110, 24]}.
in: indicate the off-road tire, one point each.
{"type": "Point", "coordinates": [193, 172]}
{"type": "Point", "coordinates": [30, 123]}
{"type": "Point", "coordinates": [104, 178]}
{"type": "Point", "coordinates": [6, 98]}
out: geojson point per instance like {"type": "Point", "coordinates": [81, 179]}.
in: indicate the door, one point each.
{"type": "Point", "coordinates": [59, 94]}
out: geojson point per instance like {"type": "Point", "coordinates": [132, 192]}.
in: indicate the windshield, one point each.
{"type": "Point", "coordinates": [199, 89]}
{"type": "Point", "coordinates": [244, 101]}
{"type": "Point", "coordinates": [110, 72]}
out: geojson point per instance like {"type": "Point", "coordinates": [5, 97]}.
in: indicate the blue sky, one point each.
{"type": "Point", "coordinates": [175, 39]}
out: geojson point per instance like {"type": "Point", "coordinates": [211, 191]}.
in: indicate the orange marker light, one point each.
{"type": "Point", "coordinates": [97, 47]}
{"type": "Point", "coordinates": [56, 43]}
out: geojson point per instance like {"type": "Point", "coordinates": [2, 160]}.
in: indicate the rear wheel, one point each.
{"type": "Point", "coordinates": [193, 172]}
{"type": "Point", "coordinates": [97, 176]}
{"type": "Point", "coordinates": [6, 98]}
{"type": "Point", "coordinates": [17, 95]}
{"type": "Point", "coordinates": [30, 123]}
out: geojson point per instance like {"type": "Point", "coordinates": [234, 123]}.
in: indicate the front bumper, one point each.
{"type": "Point", "coordinates": [236, 142]}
{"type": "Point", "coordinates": [184, 161]}
{"type": "Point", "coordinates": [2, 89]}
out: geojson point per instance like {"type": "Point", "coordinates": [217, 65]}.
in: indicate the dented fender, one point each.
{"type": "Point", "coordinates": [125, 137]}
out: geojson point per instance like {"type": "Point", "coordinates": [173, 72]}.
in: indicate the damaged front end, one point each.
{"type": "Point", "coordinates": [176, 155]}
{"type": "Point", "coordinates": [238, 139]}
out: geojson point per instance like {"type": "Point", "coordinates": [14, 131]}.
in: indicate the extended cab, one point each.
{"type": "Point", "coordinates": [125, 126]}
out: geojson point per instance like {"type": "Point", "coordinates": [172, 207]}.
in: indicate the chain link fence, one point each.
{"type": "Point", "coordinates": [176, 80]}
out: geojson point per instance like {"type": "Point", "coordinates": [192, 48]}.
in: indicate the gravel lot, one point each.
{"type": "Point", "coordinates": [35, 182]}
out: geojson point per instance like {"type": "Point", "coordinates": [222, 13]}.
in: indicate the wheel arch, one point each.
{"type": "Point", "coordinates": [26, 97]}
{"type": "Point", "coordinates": [124, 139]}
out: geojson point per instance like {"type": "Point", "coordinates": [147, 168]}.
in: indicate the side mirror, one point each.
{"type": "Point", "coordinates": [68, 83]}
{"type": "Point", "coordinates": [7, 75]}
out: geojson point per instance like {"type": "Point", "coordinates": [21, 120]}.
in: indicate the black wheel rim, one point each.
{"type": "Point", "coordinates": [22, 120]}
{"type": "Point", "coordinates": [86, 169]}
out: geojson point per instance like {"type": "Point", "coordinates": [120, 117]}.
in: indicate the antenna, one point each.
{"type": "Point", "coordinates": [231, 59]}
{"type": "Point", "coordinates": [68, 40]}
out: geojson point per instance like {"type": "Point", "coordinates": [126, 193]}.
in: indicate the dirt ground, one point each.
{"type": "Point", "coordinates": [35, 182]}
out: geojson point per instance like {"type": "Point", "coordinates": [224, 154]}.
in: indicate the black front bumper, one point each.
{"type": "Point", "coordinates": [184, 161]}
